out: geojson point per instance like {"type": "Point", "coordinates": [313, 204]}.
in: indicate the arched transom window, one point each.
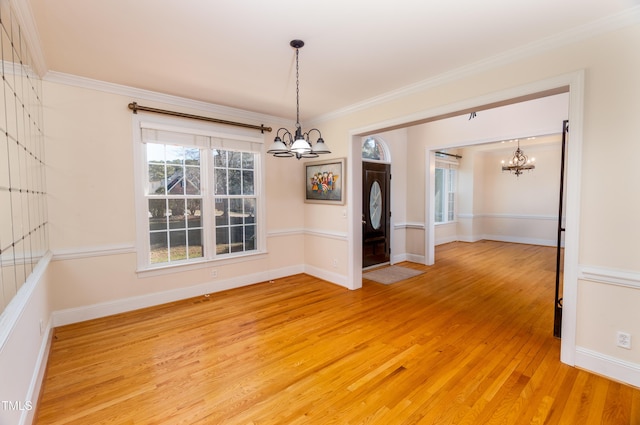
{"type": "Point", "coordinates": [374, 149]}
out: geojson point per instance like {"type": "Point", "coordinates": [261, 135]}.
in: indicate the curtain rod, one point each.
{"type": "Point", "coordinates": [135, 108]}
{"type": "Point", "coordinates": [449, 154]}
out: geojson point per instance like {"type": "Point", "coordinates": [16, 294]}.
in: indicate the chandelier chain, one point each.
{"type": "Point", "coordinates": [297, 90]}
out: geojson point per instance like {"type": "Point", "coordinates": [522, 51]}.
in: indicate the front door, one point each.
{"type": "Point", "coordinates": [376, 213]}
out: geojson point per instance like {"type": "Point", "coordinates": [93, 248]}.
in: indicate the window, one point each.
{"type": "Point", "coordinates": [446, 176]}
{"type": "Point", "coordinates": [199, 199]}
{"type": "Point", "coordinates": [374, 149]}
{"type": "Point", "coordinates": [235, 201]}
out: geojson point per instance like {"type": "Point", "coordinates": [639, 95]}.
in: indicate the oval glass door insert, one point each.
{"type": "Point", "coordinates": [375, 205]}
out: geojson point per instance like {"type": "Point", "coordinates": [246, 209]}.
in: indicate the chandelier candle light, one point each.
{"type": "Point", "coordinates": [518, 162]}
{"type": "Point", "coordinates": [286, 144]}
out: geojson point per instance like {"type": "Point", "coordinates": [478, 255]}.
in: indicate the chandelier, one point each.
{"type": "Point", "coordinates": [286, 144]}
{"type": "Point", "coordinates": [518, 162]}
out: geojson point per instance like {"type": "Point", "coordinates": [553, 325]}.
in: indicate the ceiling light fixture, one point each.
{"type": "Point", "coordinates": [518, 162]}
{"type": "Point", "coordinates": [286, 144]}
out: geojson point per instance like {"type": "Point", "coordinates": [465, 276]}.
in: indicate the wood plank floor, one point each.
{"type": "Point", "coordinates": [467, 342]}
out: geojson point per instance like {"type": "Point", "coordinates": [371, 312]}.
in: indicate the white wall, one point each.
{"type": "Point", "coordinates": [522, 209]}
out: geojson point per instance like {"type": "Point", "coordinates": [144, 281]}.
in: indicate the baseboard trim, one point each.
{"type": "Point", "coordinates": [331, 277]}
{"type": "Point", "coordinates": [607, 366]}
{"type": "Point", "coordinates": [94, 311]}
{"type": "Point", "coordinates": [37, 378]}
{"type": "Point", "coordinates": [528, 241]}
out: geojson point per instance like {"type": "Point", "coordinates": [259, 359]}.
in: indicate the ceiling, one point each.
{"type": "Point", "coordinates": [237, 54]}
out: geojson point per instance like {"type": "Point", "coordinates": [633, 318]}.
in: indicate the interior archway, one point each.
{"type": "Point", "coordinates": [574, 84]}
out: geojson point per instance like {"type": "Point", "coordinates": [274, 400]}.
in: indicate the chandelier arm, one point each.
{"type": "Point", "coordinates": [308, 133]}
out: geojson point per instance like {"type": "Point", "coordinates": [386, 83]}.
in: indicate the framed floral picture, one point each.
{"type": "Point", "coordinates": [325, 181]}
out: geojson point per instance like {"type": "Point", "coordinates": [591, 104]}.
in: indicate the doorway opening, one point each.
{"type": "Point", "coordinates": [573, 84]}
{"type": "Point", "coordinates": [376, 203]}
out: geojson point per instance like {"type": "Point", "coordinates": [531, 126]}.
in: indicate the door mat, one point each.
{"type": "Point", "coordinates": [392, 274]}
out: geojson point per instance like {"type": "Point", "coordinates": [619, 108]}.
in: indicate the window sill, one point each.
{"type": "Point", "coordinates": [197, 265]}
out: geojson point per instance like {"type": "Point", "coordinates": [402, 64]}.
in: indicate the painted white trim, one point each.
{"type": "Point", "coordinates": [285, 232]}
{"type": "Point", "coordinates": [448, 239]}
{"type": "Point", "coordinates": [628, 17]}
{"type": "Point", "coordinates": [515, 239]}
{"type": "Point", "coordinates": [510, 216]}
{"type": "Point", "coordinates": [414, 258]}
{"type": "Point", "coordinates": [628, 279]}
{"type": "Point", "coordinates": [335, 278]}
{"type": "Point", "coordinates": [94, 311]}
{"type": "Point", "coordinates": [33, 392]}
{"type": "Point", "coordinates": [12, 312]}
{"type": "Point", "coordinates": [94, 251]}
{"type": "Point", "coordinates": [354, 211]}
{"type": "Point", "coordinates": [141, 94]}
{"type": "Point", "coordinates": [572, 214]}
{"type": "Point", "coordinates": [341, 236]}
{"type": "Point", "coordinates": [610, 367]}
{"type": "Point", "coordinates": [408, 225]}
{"type": "Point", "coordinates": [430, 208]}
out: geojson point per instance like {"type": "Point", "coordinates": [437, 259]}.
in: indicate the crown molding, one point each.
{"type": "Point", "coordinates": [614, 22]}
{"type": "Point", "coordinates": [623, 19]}
{"type": "Point", "coordinates": [141, 94]}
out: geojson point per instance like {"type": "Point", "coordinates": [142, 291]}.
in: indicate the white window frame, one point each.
{"type": "Point", "coordinates": [223, 137]}
{"type": "Point", "coordinates": [447, 165]}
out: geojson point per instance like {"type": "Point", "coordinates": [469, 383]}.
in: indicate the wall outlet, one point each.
{"type": "Point", "coordinates": [214, 273]}
{"type": "Point", "coordinates": [623, 340]}
{"type": "Point", "coordinates": [334, 263]}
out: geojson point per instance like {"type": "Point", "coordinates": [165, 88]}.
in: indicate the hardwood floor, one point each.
{"type": "Point", "coordinates": [467, 342]}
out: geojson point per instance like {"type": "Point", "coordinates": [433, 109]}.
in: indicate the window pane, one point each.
{"type": "Point", "coordinates": [237, 238]}
{"type": "Point", "coordinates": [247, 160]}
{"type": "Point", "coordinates": [174, 154]}
{"type": "Point", "coordinates": [178, 245]}
{"type": "Point", "coordinates": [236, 211]}
{"type": "Point", "coordinates": [192, 156]}
{"type": "Point", "coordinates": [192, 181]}
{"type": "Point", "coordinates": [219, 158]}
{"type": "Point", "coordinates": [250, 238]}
{"type": "Point", "coordinates": [247, 182]}
{"type": "Point", "coordinates": [155, 153]}
{"type": "Point", "coordinates": [159, 249]}
{"type": "Point", "coordinates": [221, 181]}
{"type": "Point", "coordinates": [175, 180]}
{"type": "Point", "coordinates": [157, 214]}
{"type": "Point", "coordinates": [157, 179]}
{"type": "Point", "coordinates": [235, 159]}
{"type": "Point", "coordinates": [194, 213]}
{"type": "Point", "coordinates": [235, 185]}
{"type": "Point", "coordinates": [250, 210]}
{"type": "Point", "coordinates": [195, 244]}
{"type": "Point", "coordinates": [222, 240]}
{"type": "Point", "coordinates": [222, 212]}
{"type": "Point", "coordinates": [176, 213]}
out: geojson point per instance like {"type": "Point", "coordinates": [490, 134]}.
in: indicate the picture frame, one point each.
{"type": "Point", "coordinates": [325, 182]}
